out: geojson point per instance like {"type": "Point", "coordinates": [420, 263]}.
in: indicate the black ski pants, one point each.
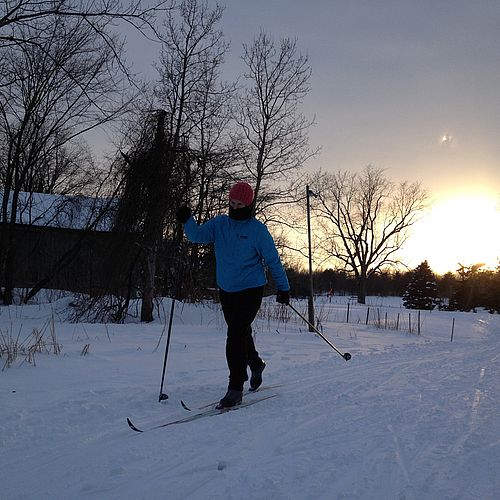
{"type": "Point", "coordinates": [240, 309]}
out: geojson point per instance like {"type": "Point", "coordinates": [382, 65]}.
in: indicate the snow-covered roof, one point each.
{"type": "Point", "coordinates": [69, 212]}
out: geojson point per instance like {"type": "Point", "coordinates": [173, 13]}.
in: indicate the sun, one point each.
{"type": "Point", "coordinates": [463, 229]}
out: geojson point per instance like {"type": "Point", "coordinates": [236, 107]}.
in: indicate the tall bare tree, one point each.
{"type": "Point", "coordinates": [191, 117]}
{"type": "Point", "coordinates": [272, 131]}
{"type": "Point", "coordinates": [20, 17]}
{"type": "Point", "coordinates": [365, 219]}
{"type": "Point", "coordinates": [197, 100]}
{"type": "Point", "coordinates": [149, 179]}
{"type": "Point", "coordinates": [189, 89]}
{"type": "Point", "coordinates": [50, 96]}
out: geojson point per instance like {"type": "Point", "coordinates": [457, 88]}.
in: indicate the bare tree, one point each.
{"type": "Point", "coordinates": [196, 51]}
{"type": "Point", "coordinates": [365, 219]}
{"type": "Point", "coordinates": [189, 90]}
{"type": "Point", "coordinates": [273, 133]}
{"type": "Point", "coordinates": [178, 162]}
{"type": "Point", "coordinates": [50, 97]}
{"type": "Point", "coordinates": [20, 17]}
{"type": "Point", "coordinates": [198, 104]}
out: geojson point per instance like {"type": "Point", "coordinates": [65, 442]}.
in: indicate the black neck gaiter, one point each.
{"type": "Point", "coordinates": [240, 213]}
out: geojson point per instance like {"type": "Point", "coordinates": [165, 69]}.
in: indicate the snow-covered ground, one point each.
{"type": "Point", "coordinates": [408, 417]}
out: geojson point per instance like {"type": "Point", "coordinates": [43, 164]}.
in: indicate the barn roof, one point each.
{"type": "Point", "coordinates": [62, 211]}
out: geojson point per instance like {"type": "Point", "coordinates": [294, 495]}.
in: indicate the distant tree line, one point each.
{"type": "Point", "coordinates": [476, 287]}
{"type": "Point", "coordinates": [470, 288]}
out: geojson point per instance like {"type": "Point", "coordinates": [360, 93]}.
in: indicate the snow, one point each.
{"type": "Point", "coordinates": [70, 212]}
{"type": "Point", "coordinates": [408, 417]}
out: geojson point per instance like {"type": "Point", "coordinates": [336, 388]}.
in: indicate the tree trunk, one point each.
{"type": "Point", "coordinates": [161, 165]}
{"type": "Point", "coordinates": [148, 293]}
{"type": "Point", "coordinates": [8, 265]}
{"type": "Point", "coordinates": [362, 281]}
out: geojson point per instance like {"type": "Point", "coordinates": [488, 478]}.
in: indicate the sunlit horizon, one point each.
{"type": "Point", "coordinates": [460, 229]}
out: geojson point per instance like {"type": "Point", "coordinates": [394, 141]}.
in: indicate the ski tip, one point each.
{"type": "Point", "coordinates": [185, 406]}
{"type": "Point", "coordinates": [132, 426]}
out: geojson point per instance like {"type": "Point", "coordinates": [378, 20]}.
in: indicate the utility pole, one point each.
{"type": "Point", "coordinates": [310, 304]}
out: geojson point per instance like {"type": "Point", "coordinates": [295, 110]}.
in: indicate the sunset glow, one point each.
{"type": "Point", "coordinates": [462, 229]}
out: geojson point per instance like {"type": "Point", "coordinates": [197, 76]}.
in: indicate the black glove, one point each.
{"type": "Point", "coordinates": [283, 297]}
{"type": "Point", "coordinates": [183, 214]}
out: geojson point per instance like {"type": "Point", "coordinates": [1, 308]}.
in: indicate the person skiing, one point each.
{"type": "Point", "coordinates": [243, 247]}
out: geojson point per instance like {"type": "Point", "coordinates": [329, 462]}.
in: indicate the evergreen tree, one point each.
{"type": "Point", "coordinates": [492, 299]}
{"type": "Point", "coordinates": [471, 289]}
{"type": "Point", "coordinates": [490, 290]}
{"type": "Point", "coordinates": [421, 292]}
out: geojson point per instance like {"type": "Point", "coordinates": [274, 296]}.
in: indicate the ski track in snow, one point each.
{"type": "Point", "coordinates": [407, 417]}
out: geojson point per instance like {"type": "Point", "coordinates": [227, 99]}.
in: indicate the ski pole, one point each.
{"type": "Point", "coordinates": [177, 292]}
{"type": "Point", "coordinates": [345, 355]}
{"type": "Point", "coordinates": [162, 395]}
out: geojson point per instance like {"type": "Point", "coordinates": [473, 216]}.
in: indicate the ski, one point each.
{"type": "Point", "coordinates": [207, 413]}
{"type": "Point", "coordinates": [248, 392]}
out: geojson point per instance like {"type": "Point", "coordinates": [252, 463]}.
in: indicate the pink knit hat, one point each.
{"type": "Point", "coordinates": [243, 192]}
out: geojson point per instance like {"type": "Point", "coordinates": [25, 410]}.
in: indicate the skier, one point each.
{"type": "Point", "coordinates": [243, 245]}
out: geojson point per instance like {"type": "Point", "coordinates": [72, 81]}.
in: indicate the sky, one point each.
{"type": "Point", "coordinates": [411, 87]}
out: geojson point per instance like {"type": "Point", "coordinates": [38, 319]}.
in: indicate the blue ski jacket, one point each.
{"type": "Point", "coordinates": [242, 251]}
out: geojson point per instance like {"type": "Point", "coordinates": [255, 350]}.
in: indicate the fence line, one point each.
{"type": "Point", "coordinates": [379, 319]}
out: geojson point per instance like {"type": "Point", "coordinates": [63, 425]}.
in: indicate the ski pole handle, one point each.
{"type": "Point", "coordinates": [345, 355]}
